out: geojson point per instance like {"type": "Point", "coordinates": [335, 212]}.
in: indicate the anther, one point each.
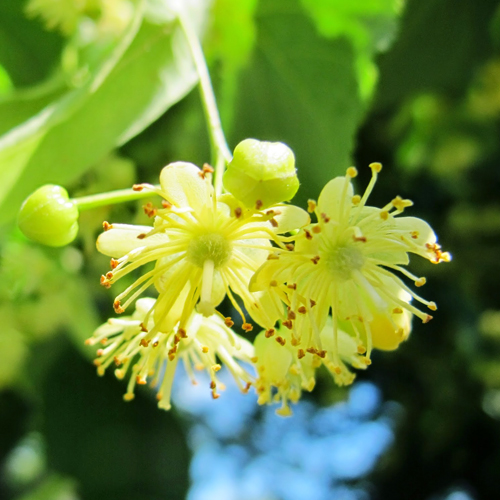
{"type": "Point", "coordinates": [301, 353]}
{"type": "Point", "coordinates": [273, 256]}
{"type": "Point", "coordinates": [397, 310]}
{"type": "Point", "coordinates": [269, 333]}
{"type": "Point", "coordinates": [356, 199]}
{"type": "Point", "coordinates": [109, 275]}
{"type": "Point", "coordinates": [290, 247]}
{"type": "Point", "coordinates": [288, 323]}
{"type": "Point", "coordinates": [208, 169]}
{"type": "Point", "coordinates": [292, 286]}
{"type": "Point", "coordinates": [216, 367]}
{"type": "Point", "coordinates": [237, 212]}
{"type": "Point", "coordinates": [273, 283]}
{"type": "Point", "coordinates": [427, 319]}
{"type": "Point", "coordinates": [312, 302]}
{"type": "Point", "coordinates": [420, 282]}
{"type": "Point", "coordinates": [137, 187]}
{"type": "Point", "coordinates": [316, 229]}
{"type": "Point", "coordinates": [291, 315]}
{"type": "Point", "coordinates": [228, 322]}
{"type": "Point", "coordinates": [182, 333]}
{"type": "Point", "coordinates": [149, 210]}
{"type": "Point", "coordinates": [311, 206]}
{"type": "Point", "coordinates": [105, 282]}
{"type": "Point", "coordinates": [325, 218]}
{"type": "Point", "coordinates": [414, 234]}
{"type": "Point", "coordinates": [432, 306]}
{"type": "Point", "coordinates": [107, 226]}
{"type": "Point", "coordinates": [308, 234]}
{"type": "Point", "coordinates": [376, 167]}
{"type": "Point", "coordinates": [144, 343]}
{"type": "Point", "coordinates": [117, 307]}
{"type": "Point", "coordinates": [312, 350]}
{"type": "Point", "coordinates": [204, 349]}
{"type": "Point", "coordinates": [141, 236]}
{"type": "Point", "coordinates": [384, 215]}
{"type": "Point", "coordinates": [352, 172]}
{"type": "Point", "coordinates": [401, 204]}
{"type": "Point", "coordinates": [247, 327]}
{"type": "Point", "coordinates": [114, 263]}
{"type": "Point", "coordinates": [140, 380]}
{"type": "Point", "coordinates": [321, 354]}
{"type": "Point", "coordinates": [315, 259]}
{"type": "Point", "coordinates": [302, 310]}
{"type": "Point", "coordinates": [361, 349]}
{"type": "Point", "coordinates": [273, 222]}
{"type": "Point", "coordinates": [166, 204]}
{"type": "Point", "coordinates": [281, 341]}
{"type": "Point", "coordinates": [361, 239]}
{"type": "Point", "coordinates": [258, 204]}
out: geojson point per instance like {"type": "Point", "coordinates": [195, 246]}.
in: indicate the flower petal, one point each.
{"type": "Point", "coordinates": [119, 241]}
{"type": "Point", "coordinates": [333, 201]}
{"type": "Point", "coordinates": [183, 186]}
{"type": "Point", "coordinates": [290, 218]}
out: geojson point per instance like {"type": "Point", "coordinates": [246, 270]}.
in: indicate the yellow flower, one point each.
{"type": "Point", "coordinates": [345, 264]}
{"type": "Point", "coordinates": [200, 346]}
{"type": "Point", "coordinates": [283, 371]}
{"type": "Point", "coordinates": [203, 247]}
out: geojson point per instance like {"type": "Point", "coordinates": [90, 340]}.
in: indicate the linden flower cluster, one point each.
{"type": "Point", "coordinates": [326, 293]}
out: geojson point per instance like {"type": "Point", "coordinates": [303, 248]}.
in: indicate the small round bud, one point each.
{"type": "Point", "coordinates": [261, 173]}
{"type": "Point", "coordinates": [48, 216]}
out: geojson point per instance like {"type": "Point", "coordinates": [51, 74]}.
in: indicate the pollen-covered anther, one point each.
{"type": "Point", "coordinates": [312, 350]}
{"type": "Point", "coordinates": [302, 310]}
{"type": "Point", "coordinates": [117, 307]}
{"type": "Point", "coordinates": [352, 172]}
{"type": "Point", "coordinates": [117, 361]}
{"type": "Point", "coordinates": [290, 247]}
{"type": "Point", "coordinates": [288, 323]}
{"type": "Point", "coordinates": [376, 166]}
{"type": "Point", "coordinates": [432, 306]}
{"type": "Point", "coordinates": [237, 212]}
{"type": "Point", "coordinates": [273, 256]}
{"type": "Point", "coordinates": [141, 236]}
{"type": "Point", "coordinates": [144, 343]}
{"type": "Point", "coordinates": [361, 349]}
{"type": "Point", "coordinates": [295, 341]}
{"type": "Point", "coordinates": [273, 283]}
{"type": "Point", "coordinates": [292, 286]}
{"type": "Point", "coordinates": [228, 322]}
{"type": "Point", "coordinates": [114, 263]}
{"type": "Point", "coordinates": [356, 199]}
{"type": "Point", "coordinates": [109, 275]}
{"type": "Point", "coordinates": [301, 353]}
{"type": "Point", "coordinates": [400, 204]}
{"type": "Point", "coordinates": [247, 327]}
{"type": "Point", "coordinates": [141, 380]}
{"type": "Point", "coordinates": [321, 354]}
{"type": "Point", "coordinates": [291, 315]}
{"type": "Point", "coordinates": [315, 259]}
{"type": "Point", "coordinates": [105, 282]}
{"type": "Point", "coordinates": [427, 318]}
{"type": "Point", "coordinates": [361, 239]}
{"type": "Point", "coordinates": [143, 327]}
{"type": "Point", "coordinates": [397, 310]}
{"type": "Point", "coordinates": [107, 226]}
{"type": "Point", "coordinates": [216, 367]}
{"type": "Point", "coordinates": [308, 235]}
{"type": "Point", "coordinates": [182, 333]}
{"type": "Point", "coordinates": [420, 282]}
{"type": "Point", "coordinates": [280, 340]}
{"type": "Point", "coordinates": [325, 218]}
{"type": "Point", "coordinates": [316, 229]}
{"type": "Point", "coordinates": [312, 302]}
{"type": "Point", "coordinates": [414, 234]}
{"type": "Point", "coordinates": [311, 206]}
{"type": "Point", "coordinates": [166, 204]}
{"type": "Point", "coordinates": [384, 214]}
{"type": "Point", "coordinates": [269, 333]}
{"type": "Point", "coordinates": [273, 222]}
{"type": "Point", "coordinates": [247, 387]}
{"type": "Point", "coordinates": [177, 339]}
{"type": "Point", "coordinates": [149, 210]}
{"type": "Point", "coordinates": [103, 341]}
{"type": "Point", "coordinates": [99, 352]}
{"type": "Point", "coordinates": [258, 204]}
{"type": "Point", "coordinates": [137, 187]}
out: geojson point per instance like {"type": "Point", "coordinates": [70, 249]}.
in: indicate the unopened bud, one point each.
{"type": "Point", "coordinates": [262, 171]}
{"type": "Point", "coordinates": [48, 216]}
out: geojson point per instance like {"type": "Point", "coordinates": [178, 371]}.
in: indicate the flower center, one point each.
{"type": "Point", "coordinates": [211, 246]}
{"type": "Point", "coordinates": [343, 260]}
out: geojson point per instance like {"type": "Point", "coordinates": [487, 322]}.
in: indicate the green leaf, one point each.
{"type": "Point", "coordinates": [300, 89]}
{"type": "Point", "coordinates": [67, 137]}
{"type": "Point", "coordinates": [27, 51]}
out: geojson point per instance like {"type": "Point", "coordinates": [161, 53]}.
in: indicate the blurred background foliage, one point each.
{"type": "Point", "coordinates": [107, 97]}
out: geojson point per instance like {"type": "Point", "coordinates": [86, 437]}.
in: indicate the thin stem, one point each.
{"type": "Point", "coordinates": [220, 150]}
{"type": "Point", "coordinates": [110, 198]}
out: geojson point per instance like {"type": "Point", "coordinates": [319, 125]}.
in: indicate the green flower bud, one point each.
{"type": "Point", "coordinates": [48, 216]}
{"type": "Point", "coordinates": [261, 173]}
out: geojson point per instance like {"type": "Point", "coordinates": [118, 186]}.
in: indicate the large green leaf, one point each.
{"type": "Point", "coordinates": [300, 89]}
{"type": "Point", "coordinates": [68, 136]}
